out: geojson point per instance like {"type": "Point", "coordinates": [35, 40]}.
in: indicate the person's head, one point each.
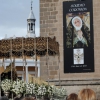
{"type": "Point", "coordinates": [77, 23]}
{"type": "Point", "coordinates": [28, 98]}
{"type": "Point", "coordinates": [34, 96]}
{"type": "Point", "coordinates": [4, 98]}
{"type": "Point", "coordinates": [16, 98]}
{"type": "Point", "coordinates": [87, 94]}
{"type": "Point", "coordinates": [46, 98]}
{"type": "Point", "coordinates": [72, 96]}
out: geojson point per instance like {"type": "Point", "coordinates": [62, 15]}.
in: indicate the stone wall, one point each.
{"type": "Point", "coordinates": [51, 23]}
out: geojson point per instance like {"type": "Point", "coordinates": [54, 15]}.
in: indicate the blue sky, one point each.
{"type": "Point", "coordinates": [13, 17]}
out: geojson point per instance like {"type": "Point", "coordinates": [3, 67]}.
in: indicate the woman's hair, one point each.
{"type": "Point", "coordinates": [87, 94]}
{"type": "Point", "coordinates": [16, 98]}
{"type": "Point", "coordinates": [28, 98]}
{"type": "Point", "coordinates": [72, 96]}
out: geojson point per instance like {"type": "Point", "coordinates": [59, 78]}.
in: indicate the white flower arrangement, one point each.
{"type": "Point", "coordinates": [6, 85]}
{"type": "Point", "coordinates": [50, 90]}
{"type": "Point", "coordinates": [54, 90]}
{"type": "Point", "coordinates": [59, 92]}
{"type": "Point", "coordinates": [41, 90]}
{"type": "Point", "coordinates": [63, 92]}
{"type": "Point", "coordinates": [44, 90]}
{"type": "Point", "coordinates": [18, 86]}
{"type": "Point", "coordinates": [31, 88]}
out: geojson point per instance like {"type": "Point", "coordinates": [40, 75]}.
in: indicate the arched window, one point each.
{"type": "Point", "coordinates": [31, 26]}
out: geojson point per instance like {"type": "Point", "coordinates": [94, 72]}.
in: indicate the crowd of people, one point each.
{"type": "Point", "coordinates": [17, 98]}
{"type": "Point", "coordinates": [84, 94]}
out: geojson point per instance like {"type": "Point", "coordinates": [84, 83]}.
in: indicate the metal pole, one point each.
{"type": "Point", "coordinates": [0, 85]}
{"type": "Point", "coordinates": [47, 60]}
{"type": "Point", "coordinates": [14, 61]}
{"type": "Point", "coordinates": [59, 70]}
{"type": "Point", "coordinates": [26, 71]}
{"type": "Point", "coordinates": [35, 56]}
{"type": "Point", "coordinates": [11, 63]}
{"type": "Point", "coordinates": [0, 75]}
{"type": "Point", "coordinates": [4, 63]}
{"type": "Point", "coordinates": [11, 58]}
{"type": "Point", "coordinates": [23, 61]}
{"type": "Point", "coordinates": [36, 66]}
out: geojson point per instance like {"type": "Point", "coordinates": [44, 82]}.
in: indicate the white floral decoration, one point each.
{"type": "Point", "coordinates": [19, 86]}
{"type": "Point", "coordinates": [6, 85]}
{"type": "Point", "coordinates": [31, 88]}
{"type": "Point", "coordinates": [59, 92]}
{"type": "Point", "coordinates": [45, 90]}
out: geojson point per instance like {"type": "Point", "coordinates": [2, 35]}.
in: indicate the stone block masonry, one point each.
{"type": "Point", "coordinates": [51, 23]}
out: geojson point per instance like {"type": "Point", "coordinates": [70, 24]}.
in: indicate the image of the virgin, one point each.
{"type": "Point", "coordinates": [77, 23]}
{"type": "Point", "coordinates": [78, 34]}
{"type": "Point", "coordinates": [79, 39]}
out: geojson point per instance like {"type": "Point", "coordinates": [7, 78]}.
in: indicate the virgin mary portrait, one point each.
{"type": "Point", "coordinates": [78, 34]}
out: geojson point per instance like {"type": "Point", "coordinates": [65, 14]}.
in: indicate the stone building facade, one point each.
{"type": "Point", "coordinates": [51, 24]}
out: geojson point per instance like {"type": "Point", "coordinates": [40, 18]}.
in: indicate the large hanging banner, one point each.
{"type": "Point", "coordinates": [78, 36]}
